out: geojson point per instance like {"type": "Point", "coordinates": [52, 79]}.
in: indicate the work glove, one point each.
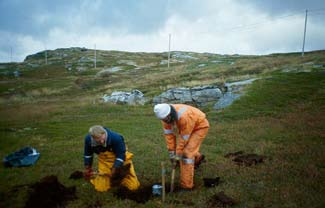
{"type": "Point", "coordinates": [88, 173]}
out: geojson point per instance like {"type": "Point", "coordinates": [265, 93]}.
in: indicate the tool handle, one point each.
{"type": "Point", "coordinates": [163, 180]}
{"type": "Point", "coordinates": [172, 181]}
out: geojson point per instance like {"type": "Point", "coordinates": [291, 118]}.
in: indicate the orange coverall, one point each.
{"type": "Point", "coordinates": [192, 127]}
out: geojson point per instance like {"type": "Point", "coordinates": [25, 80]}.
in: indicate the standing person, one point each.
{"type": "Point", "coordinates": [192, 127]}
{"type": "Point", "coordinates": [114, 161]}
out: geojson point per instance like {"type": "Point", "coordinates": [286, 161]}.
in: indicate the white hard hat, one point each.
{"type": "Point", "coordinates": [162, 110]}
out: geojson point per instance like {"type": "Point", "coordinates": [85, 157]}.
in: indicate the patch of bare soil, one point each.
{"type": "Point", "coordinates": [220, 200]}
{"type": "Point", "coordinates": [234, 154]}
{"type": "Point", "coordinates": [76, 175]}
{"type": "Point", "coordinates": [119, 174]}
{"type": "Point", "coordinates": [211, 182]}
{"type": "Point", "coordinates": [142, 195]}
{"type": "Point", "coordinates": [246, 159]}
{"type": "Point", "coordinates": [49, 192]}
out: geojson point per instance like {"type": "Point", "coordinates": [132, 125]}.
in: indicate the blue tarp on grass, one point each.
{"type": "Point", "coordinates": [24, 157]}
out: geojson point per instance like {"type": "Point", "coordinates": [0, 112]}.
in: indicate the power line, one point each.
{"type": "Point", "coordinates": [250, 27]}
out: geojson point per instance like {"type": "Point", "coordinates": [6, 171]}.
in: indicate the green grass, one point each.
{"type": "Point", "coordinates": [281, 116]}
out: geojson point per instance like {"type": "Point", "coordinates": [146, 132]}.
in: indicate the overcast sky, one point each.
{"type": "Point", "coordinates": [216, 26]}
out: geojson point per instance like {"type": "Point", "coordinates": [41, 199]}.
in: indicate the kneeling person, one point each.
{"type": "Point", "coordinates": [113, 160]}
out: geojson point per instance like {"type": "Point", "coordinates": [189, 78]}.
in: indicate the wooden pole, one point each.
{"type": "Point", "coordinates": [163, 180]}
{"type": "Point", "coordinates": [172, 180]}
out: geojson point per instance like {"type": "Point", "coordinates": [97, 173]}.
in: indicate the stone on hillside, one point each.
{"type": "Point", "coordinates": [318, 65]}
{"type": "Point", "coordinates": [33, 65]}
{"type": "Point", "coordinates": [174, 95]}
{"type": "Point", "coordinates": [181, 55]}
{"type": "Point", "coordinates": [226, 100]}
{"type": "Point", "coordinates": [81, 68]}
{"type": "Point", "coordinates": [233, 92]}
{"type": "Point", "coordinates": [107, 72]}
{"type": "Point", "coordinates": [85, 59]}
{"type": "Point", "coordinates": [16, 73]}
{"type": "Point", "coordinates": [201, 65]}
{"type": "Point", "coordinates": [202, 95]}
{"type": "Point", "coordinates": [127, 62]}
{"type": "Point", "coordinates": [197, 95]}
{"type": "Point", "coordinates": [216, 61]}
{"type": "Point", "coordinates": [136, 97]}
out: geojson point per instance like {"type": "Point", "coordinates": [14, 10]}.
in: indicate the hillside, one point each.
{"type": "Point", "coordinates": [50, 106]}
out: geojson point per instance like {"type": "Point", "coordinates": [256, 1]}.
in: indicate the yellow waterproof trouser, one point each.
{"type": "Point", "coordinates": [190, 154]}
{"type": "Point", "coordinates": [105, 163]}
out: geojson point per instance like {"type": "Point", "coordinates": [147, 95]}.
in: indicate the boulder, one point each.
{"type": "Point", "coordinates": [135, 97]}
{"type": "Point", "coordinates": [198, 95]}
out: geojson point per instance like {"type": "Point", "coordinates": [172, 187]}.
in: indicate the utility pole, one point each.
{"type": "Point", "coordinates": [45, 56]}
{"type": "Point", "coordinates": [303, 44]}
{"type": "Point", "coordinates": [95, 57]}
{"type": "Point", "coordinates": [169, 50]}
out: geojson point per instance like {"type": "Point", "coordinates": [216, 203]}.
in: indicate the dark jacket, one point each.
{"type": "Point", "coordinates": [114, 143]}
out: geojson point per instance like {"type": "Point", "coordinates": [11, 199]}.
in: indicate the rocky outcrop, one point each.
{"type": "Point", "coordinates": [233, 91]}
{"type": "Point", "coordinates": [135, 97]}
{"type": "Point", "coordinates": [199, 96]}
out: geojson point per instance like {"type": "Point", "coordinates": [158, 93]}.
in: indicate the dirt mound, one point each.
{"type": "Point", "coordinates": [249, 159]}
{"type": "Point", "coordinates": [76, 175]}
{"type": "Point", "coordinates": [246, 159]}
{"type": "Point", "coordinates": [211, 182]}
{"type": "Point", "coordinates": [119, 174]}
{"type": "Point", "coordinates": [234, 154]}
{"type": "Point", "coordinates": [49, 192]}
{"type": "Point", "coordinates": [221, 200]}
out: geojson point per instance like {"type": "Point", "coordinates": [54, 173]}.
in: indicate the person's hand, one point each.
{"type": "Point", "coordinates": [175, 161]}
{"type": "Point", "coordinates": [88, 173]}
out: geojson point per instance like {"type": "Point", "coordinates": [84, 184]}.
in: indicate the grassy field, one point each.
{"type": "Point", "coordinates": [281, 116]}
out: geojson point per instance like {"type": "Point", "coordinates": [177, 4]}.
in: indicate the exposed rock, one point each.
{"type": "Point", "coordinates": [16, 73]}
{"type": "Point", "coordinates": [202, 95]}
{"type": "Point", "coordinates": [201, 65]}
{"type": "Point", "coordinates": [107, 72]}
{"type": "Point", "coordinates": [197, 95]}
{"type": "Point", "coordinates": [233, 91]}
{"type": "Point", "coordinates": [85, 60]}
{"type": "Point", "coordinates": [81, 68]}
{"type": "Point", "coordinates": [127, 62]}
{"type": "Point", "coordinates": [136, 97]}
{"type": "Point", "coordinates": [227, 99]}
{"type": "Point", "coordinates": [181, 55]}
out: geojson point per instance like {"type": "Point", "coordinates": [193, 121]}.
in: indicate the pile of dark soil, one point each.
{"type": "Point", "coordinates": [49, 192]}
{"type": "Point", "coordinates": [116, 179]}
{"type": "Point", "coordinates": [221, 200]}
{"type": "Point", "coordinates": [142, 195]}
{"type": "Point", "coordinates": [76, 175]}
{"type": "Point", "coordinates": [246, 159]}
{"type": "Point", "coordinates": [119, 174]}
{"type": "Point", "coordinates": [249, 159]}
{"type": "Point", "coordinates": [211, 182]}
{"type": "Point", "coordinates": [234, 154]}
